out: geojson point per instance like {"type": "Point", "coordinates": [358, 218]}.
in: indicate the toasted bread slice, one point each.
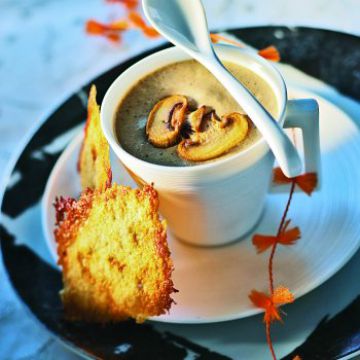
{"type": "Point", "coordinates": [94, 159]}
{"type": "Point", "coordinates": [113, 251]}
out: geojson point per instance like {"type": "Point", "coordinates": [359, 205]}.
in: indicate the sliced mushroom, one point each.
{"type": "Point", "coordinates": [165, 120]}
{"type": "Point", "coordinates": [214, 136]}
{"type": "Point", "coordinates": [193, 121]}
{"type": "Point", "coordinates": [195, 118]}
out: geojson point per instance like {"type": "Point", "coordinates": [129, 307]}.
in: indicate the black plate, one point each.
{"type": "Point", "coordinates": [330, 56]}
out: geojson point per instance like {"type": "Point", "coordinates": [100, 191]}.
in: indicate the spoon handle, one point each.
{"type": "Point", "coordinates": [283, 149]}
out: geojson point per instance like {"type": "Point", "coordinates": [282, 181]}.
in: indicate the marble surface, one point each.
{"type": "Point", "coordinates": [45, 56]}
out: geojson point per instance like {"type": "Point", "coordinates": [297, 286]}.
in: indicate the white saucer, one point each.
{"type": "Point", "coordinates": [214, 283]}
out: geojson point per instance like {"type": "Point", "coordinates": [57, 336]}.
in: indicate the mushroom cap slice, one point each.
{"type": "Point", "coordinates": [195, 118]}
{"type": "Point", "coordinates": [165, 120]}
{"type": "Point", "coordinates": [214, 137]}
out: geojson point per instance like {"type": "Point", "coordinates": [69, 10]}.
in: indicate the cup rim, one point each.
{"type": "Point", "coordinates": [176, 54]}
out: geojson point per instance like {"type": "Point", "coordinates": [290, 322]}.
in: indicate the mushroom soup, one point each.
{"type": "Point", "coordinates": [180, 115]}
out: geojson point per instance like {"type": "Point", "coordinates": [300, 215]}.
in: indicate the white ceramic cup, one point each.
{"type": "Point", "coordinates": [216, 202]}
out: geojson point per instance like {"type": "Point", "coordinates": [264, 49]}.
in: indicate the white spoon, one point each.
{"type": "Point", "coordinates": [183, 22]}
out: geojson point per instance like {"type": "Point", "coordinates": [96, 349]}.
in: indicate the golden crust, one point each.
{"type": "Point", "coordinates": [94, 158]}
{"type": "Point", "coordinates": [113, 251]}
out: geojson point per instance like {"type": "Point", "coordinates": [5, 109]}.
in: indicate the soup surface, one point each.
{"type": "Point", "coordinates": [191, 79]}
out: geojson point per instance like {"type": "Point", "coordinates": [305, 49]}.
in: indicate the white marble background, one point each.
{"type": "Point", "coordinates": [45, 56]}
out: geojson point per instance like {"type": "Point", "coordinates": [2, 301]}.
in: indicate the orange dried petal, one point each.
{"type": "Point", "coordinates": [94, 27]}
{"type": "Point", "coordinates": [114, 37]}
{"type": "Point", "coordinates": [118, 25]}
{"type": "Point", "coordinates": [286, 237]}
{"type": "Point", "coordinates": [260, 299]}
{"type": "Point", "coordinates": [263, 242]}
{"type": "Point", "coordinates": [289, 237]}
{"type": "Point", "coordinates": [307, 182]}
{"type": "Point", "coordinates": [137, 19]}
{"type": "Point", "coordinates": [263, 301]}
{"type": "Point", "coordinates": [111, 31]}
{"type": "Point", "coordinates": [272, 314]}
{"type": "Point", "coordinates": [282, 295]}
{"type": "Point", "coordinates": [270, 53]}
{"type": "Point", "coordinates": [150, 32]}
{"type": "Point", "coordinates": [215, 38]}
{"type": "Point", "coordinates": [280, 178]}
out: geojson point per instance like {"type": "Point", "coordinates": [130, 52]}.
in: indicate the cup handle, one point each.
{"type": "Point", "coordinates": [304, 114]}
